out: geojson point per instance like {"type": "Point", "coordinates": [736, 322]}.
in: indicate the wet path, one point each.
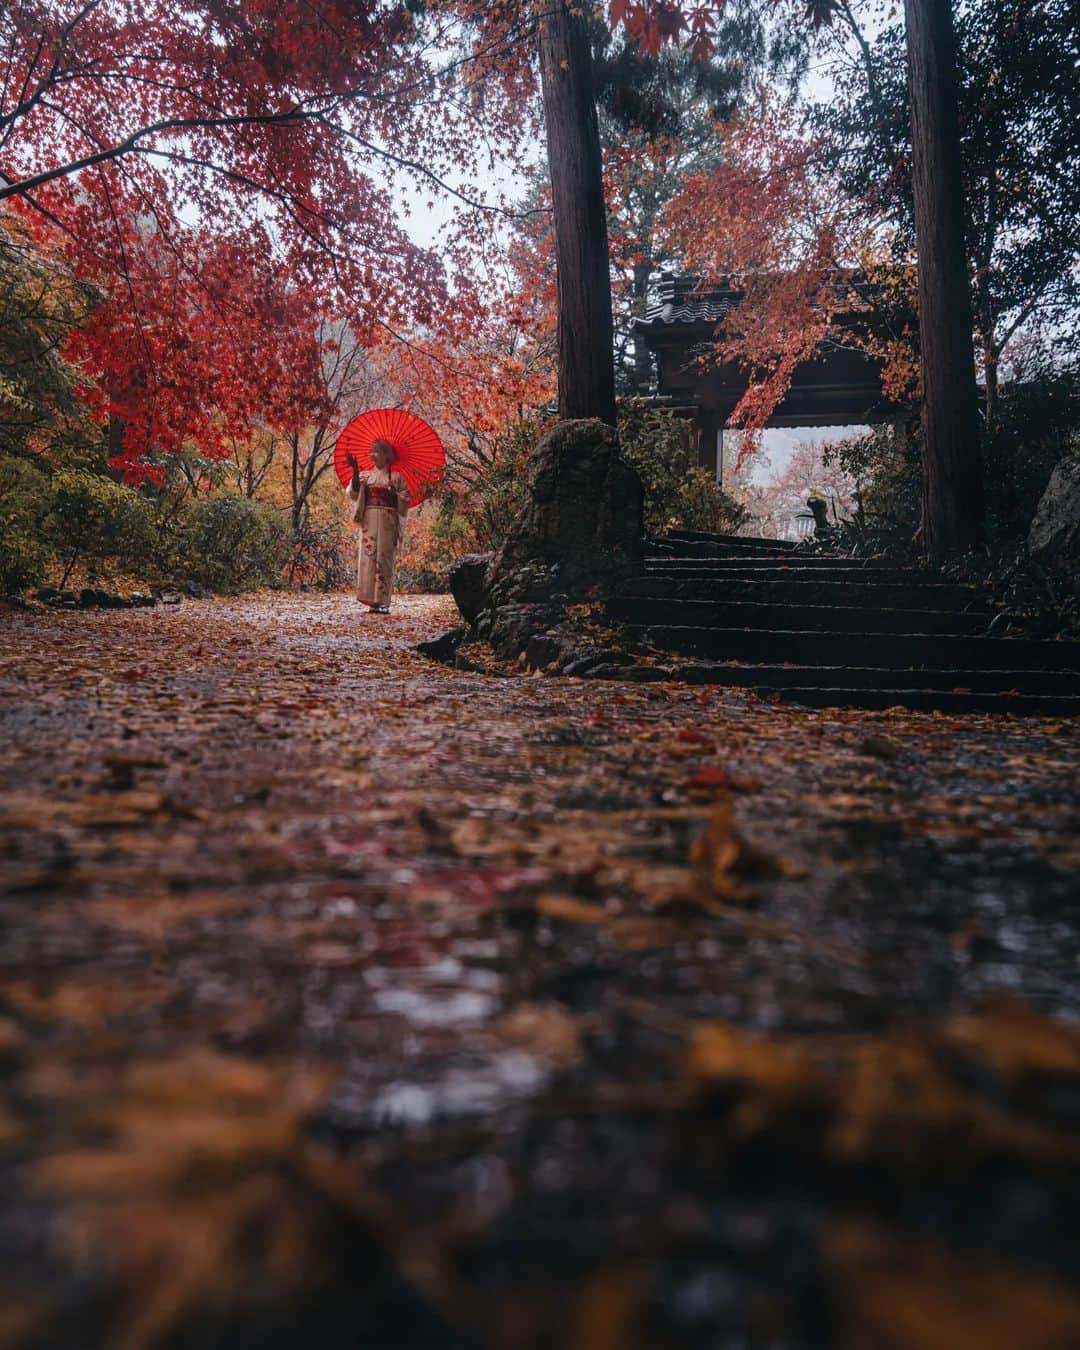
{"type": "Point", "coordinates": [573, 1014]}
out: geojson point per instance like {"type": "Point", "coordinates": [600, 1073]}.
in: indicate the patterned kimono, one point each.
{"type": "Point", "coordinates": [379, 508]}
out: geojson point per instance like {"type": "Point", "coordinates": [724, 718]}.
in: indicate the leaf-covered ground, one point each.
{"type": "Point", "coordinates": [346, 999]}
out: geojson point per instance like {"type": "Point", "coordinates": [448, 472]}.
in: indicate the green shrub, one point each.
{"type": "Point", "coordinates": [678, 493]}
{"type": "Point", "coordinates": [887, 468]}
{"type": "Point", "coordinates": [321, 558]}
{"type": "Point", "coordinates": [23, 560]}
{"type": "Point", "coordinates": [24, 552]}
{"type": "Point", "coordinates": [233, 544]}
{"type": "Point", "coordinates": [92, 519]}
{"type": "Point", "coordinates": [1037, 424]}
{"type": "Point", "coordinates": [493, 486]}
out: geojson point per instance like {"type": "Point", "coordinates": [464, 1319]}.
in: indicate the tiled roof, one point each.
{"type": "Point", "coordinates": [680, 301]}
{"type": "Point", "coordinates": [701, 309]}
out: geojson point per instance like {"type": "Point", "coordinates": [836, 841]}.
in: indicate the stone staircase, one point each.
{"type": "Point", "coordinates": [829, 631]}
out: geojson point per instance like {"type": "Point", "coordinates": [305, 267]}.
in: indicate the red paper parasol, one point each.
{"type": "Point", "coordinates": [421, 457]}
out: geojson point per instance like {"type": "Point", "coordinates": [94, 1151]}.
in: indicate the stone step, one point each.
{"type": "Point", "coordinates": [811, 590]}
{"type": "Point", "coordinates": [675, 538]}
{"type": "Point", "coordinates": [1059, 683]}
{"type": "Point", "coordinates": [879, 650]}
{"type": "Point", "coordinates": [915, 689]}
{"type": "Point", "coordinates": [686, 548]}
{"type": "Point", "coordinates": [930, 700]}
{"type": "Point", "coordinates": [830, 631]}
{"type": "Point", "coordinates": [797, 565]}
{"type": "Point", "coordinates": [779, 618]}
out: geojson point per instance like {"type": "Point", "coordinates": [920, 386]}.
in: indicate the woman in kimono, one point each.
{"type": "Point", "coordinates": [380, 501]}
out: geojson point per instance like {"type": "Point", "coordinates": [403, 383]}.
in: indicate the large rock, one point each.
{"type": "Point", "coordinates": [1055, 531]}
{"type": "Point", "coordinates": [579, 528]}
{"type": "Point", "coordinates": [582, 511]}
{"type": "Point", "coordinates": [512, 626]}
{"type": "Point", "coordinates": [468, 585]}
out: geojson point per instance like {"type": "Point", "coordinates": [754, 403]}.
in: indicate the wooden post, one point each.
{"type": "Point", "coordinates": [952, 472]}
{"type": "Point", "coordinates": [586, 331]}
{"type": "Point", "coordinates": [708, 422]}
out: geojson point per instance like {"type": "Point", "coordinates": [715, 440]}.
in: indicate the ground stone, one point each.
{"type": "Point", "coordinates": [587, 659]}
{"type": "Point", "coordinates": [443, 648]}
{"type": "Point", "coordinates": [94, 597]}
{"type": "Point", "coordinates": [194, 590]}
{"type": "Point", "coordinates": [578, 530]}
{"type": "Point", "coordinates": [513, 625]}
{"type": "Point", "coordinates": [543, 650]}
{"type": "Point", "coordinates": [468, 585]}
{"type": "Point", "coordinates": [1055, 531]}
{"type": "Point", "coordinates": [614, 670]}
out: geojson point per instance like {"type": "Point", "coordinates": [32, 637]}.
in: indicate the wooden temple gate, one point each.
{"type": "Point", "coordinates": [841, 386]}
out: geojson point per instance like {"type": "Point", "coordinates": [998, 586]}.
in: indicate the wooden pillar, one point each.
{"type": "Point", "coordinates": [586, 330]}
{"type": "Point", "coordinates": [708, 423]}
{"type": "Point", "coordinates": [952, 472]}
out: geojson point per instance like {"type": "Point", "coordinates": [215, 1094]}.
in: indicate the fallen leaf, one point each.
{"type": "Point", "coordinates": [22, 1323]}
{"type": "Point", "coordinates": [80, 1001]}
{"type": "Point", "coordinates": [1022, 1046]}
{"type": "Point", "coordinates": [202, 1196]}
{"type": "Point", "coordinates": [707, 779]}
{"type": "Point", "coordinates": [543, 1030]}
{"type": "Point", "coordinates": [569, 909]}
{"type": "Point", "coordinates": [642, 934]}
{"type": "Point", "coordinates": [892, 1101]}
{"type": "Point", "coordinates": [11, 1037]}
{"type": "Point", "coordinates": [605, 1315]}
{"type": "Point", "coordinates": [898, 1295]}
{"type": "Point", "coordinates": [769, 1081]}
{"type": "Point", "coordinates": [722, 857]}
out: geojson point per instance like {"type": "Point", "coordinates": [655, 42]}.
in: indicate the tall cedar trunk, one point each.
{"type": "Point", "coordinates": [952, 474]}
{"type": "Point", "coordinates": [586, 332]}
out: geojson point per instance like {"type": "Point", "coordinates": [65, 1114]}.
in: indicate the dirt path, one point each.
{"type": "Point", "coordinates": [348, 999]}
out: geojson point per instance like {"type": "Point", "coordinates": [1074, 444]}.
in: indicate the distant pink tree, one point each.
{"type": "Point", "coordinates": [776, 505]}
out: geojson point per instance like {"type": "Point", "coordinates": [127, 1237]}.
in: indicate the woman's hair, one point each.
{"type": "Point", "coordinates": [384, 445]}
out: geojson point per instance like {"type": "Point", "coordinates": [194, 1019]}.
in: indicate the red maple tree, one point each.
{"type": "Point", "coordinates": [225, 176]}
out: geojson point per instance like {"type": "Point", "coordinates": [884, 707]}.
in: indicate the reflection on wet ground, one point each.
{"type": "Point", "coordinates": [579, 1014]}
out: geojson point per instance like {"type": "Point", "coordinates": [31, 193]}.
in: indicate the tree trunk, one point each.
{"type": "Point", "coordinates": [586, 333]}
{"type": "Point", "coordinates": [991, 364]}
{"type": "Point", "coordinates": [299, 494]}
{"type": "Point", "coordinates": [952, 474]}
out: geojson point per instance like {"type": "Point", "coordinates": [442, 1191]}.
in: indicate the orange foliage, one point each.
{"type": "Point", "coordinates": [492, 365]}
{"type": "Point", "coordinates": [767, 221]}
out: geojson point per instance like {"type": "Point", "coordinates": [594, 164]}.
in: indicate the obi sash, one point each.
{"type": "Point", "coordinates": [382, 496]}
